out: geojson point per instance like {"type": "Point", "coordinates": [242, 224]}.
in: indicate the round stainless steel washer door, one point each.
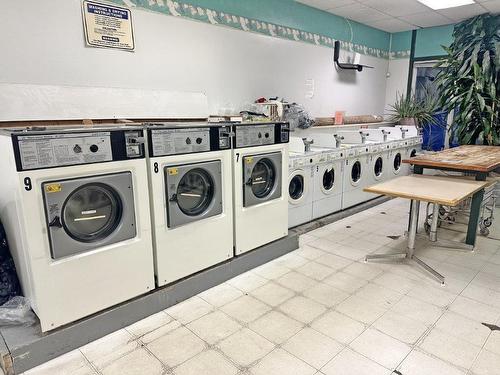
{"type": "Point", "coordinates": [263, 178]}
{"type": "Point", "coordinates": [195, 192]}
{"type": "Point", "coordinates": [91, 213]}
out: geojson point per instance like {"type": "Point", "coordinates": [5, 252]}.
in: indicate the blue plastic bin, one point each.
{"type": "Point", "coordinates": [434, 134]}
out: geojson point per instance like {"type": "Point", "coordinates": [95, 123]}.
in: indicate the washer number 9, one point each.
{"type": "Point", "coordinates": [27, 184]}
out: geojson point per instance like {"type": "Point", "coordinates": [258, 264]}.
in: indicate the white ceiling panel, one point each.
{"type": "Point", "coordinates": [492, 6]}
{"type": "Point", "coordinates": [360, 13]}
{"type": "Point", "coordinates": [392, 25]}
{"type": "Point", "coordinates": [401, 15]}
{"type": "Point", "coordinates": [327, 4]}
{"type": "Point", "coordinates": [463, 12]}
{"type": "Point", "coordinates": [396, 7]}
{"type": "Point", "coordinates": [426, 19]}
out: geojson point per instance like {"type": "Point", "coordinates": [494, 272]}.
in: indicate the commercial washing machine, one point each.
{"type": "Point", "coordinates": [190, 172]}
{"type": "Point", "coordinates": [75, 206]}
{"type": "Point", "coordinates": [396, 155]}
{"type": "Point", "coordinates": [300, 190]}
{"type": "Point", "coordinates": [328, 181]}
{"type": "Point", "coordinates": [413, 145]}
{"type": "Point", "coordinates": [380, 154]}
{"type": "Point", "coordinates": [357, 171]}
{"type": "Point", "coordinates": [260, 171]}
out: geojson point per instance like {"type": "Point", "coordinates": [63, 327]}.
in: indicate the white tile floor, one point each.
{"type": "Point", "coordinates": [322, 310]}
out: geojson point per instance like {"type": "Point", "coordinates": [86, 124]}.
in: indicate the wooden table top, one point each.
{"type": "Point", "coordinates": [448, 191]}
{"type": "Point", "coordinates": [463, 158]}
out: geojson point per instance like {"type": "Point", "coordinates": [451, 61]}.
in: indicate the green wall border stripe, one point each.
{"type": "Point", "coordinates": [187, 9]}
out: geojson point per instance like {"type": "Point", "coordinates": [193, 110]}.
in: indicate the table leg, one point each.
{"type": "Point", "coordinates": [412, 232]}
{"type": "Point", "coordinates": [434, 223]}
{"type": "Point", "coordinates": [475, 213]}
{"type": "Point", "coordinates": [417, 169]}
{"type": "Point", "coordinates": [409, 256]}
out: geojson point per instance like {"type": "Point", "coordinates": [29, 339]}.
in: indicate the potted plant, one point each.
{"type": "Point", "coordinates": [469, 83]}
{"type": "Point", "coordinates": [408, 110]}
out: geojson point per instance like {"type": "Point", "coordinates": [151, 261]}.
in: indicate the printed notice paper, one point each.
{"type": "Point", "coordinates": [108, 26]}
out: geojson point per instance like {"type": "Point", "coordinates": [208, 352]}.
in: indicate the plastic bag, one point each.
{"type": "Point", "coordinates": [9, 283]}
{"type": "Point", "coordinates": [16, 311]}
{"type": "Point", "coordinates": [297, 116]}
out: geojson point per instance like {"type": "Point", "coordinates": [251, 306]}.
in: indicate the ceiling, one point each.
{"type": "Point", "coordinates": [401, 15]}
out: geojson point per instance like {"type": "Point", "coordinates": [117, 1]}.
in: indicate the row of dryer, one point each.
{"type": "Point", "coordinates": [328, 171]}
{"type": "Point", "coordinates": [96, 216]}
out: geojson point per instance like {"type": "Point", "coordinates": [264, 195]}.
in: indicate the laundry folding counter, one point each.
{"type": "Point", "coordinates": [446, 191]}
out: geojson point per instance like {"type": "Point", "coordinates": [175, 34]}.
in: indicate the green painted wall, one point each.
{"type": "Point", "coordinates": [428, 43]}
{"type": "Point", "coordinates": [430, 40]}
{"type": "Point", "coordinates": [310, 25]}
{"type": "Point", "coordinates": [293, 14]}
{"type": "Point", "coordinates": [401, 44]}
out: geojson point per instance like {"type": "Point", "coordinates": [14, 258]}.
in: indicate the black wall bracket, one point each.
{"type": "Point", "coordinates": [346, 66]}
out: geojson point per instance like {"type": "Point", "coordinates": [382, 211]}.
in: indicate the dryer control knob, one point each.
{"type": "Point", "coordinates": [259, 135]}
{"type": "Point", "coordinates": [199, 140]}
{"type": "Point", "coordinates": [188, 141]}
{"type": "Point", "coordinates": [77, 149]}
{"type": "Point", "coordinates": [94, 148]}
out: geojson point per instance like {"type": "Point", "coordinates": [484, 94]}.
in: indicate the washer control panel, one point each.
{"type": "Point", "coordinates": [49, 148]}
{"type": "Point", "coordinates": [249, 135]}
{"type": "Point", "coordinates": [52, 150]}
{"type": "Point", "coordinates": [179, 141]}
{"type": "Point", "coordinates": [165, 141]}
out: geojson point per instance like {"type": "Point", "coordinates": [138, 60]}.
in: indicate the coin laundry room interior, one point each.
{"type": "Point", "coordinates": [249, 187]}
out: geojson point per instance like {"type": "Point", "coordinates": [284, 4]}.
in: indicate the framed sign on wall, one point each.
{"type": "Point", "coordinates": [108, 26]}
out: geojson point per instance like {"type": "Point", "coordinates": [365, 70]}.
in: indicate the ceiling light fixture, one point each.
{"type": "Point", "coordinates": [444, 4]}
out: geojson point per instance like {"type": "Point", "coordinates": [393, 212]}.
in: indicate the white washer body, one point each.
{"type": "Point", "coordinates": [414, 148]}
{"type": "Point", "coordinates": [356, 176]}
{"type": "Point", "coordinates": [379, 163]}
{"type": "Point", "coordinates": [71, 287]}
{"type": "Point", "coordinates": [261, 220]}
{"type": "Point", "coordinates": [202, 239]}
{"type": "Point", "coordinates": [328, 181]}
{"type": "Point", "coordinates": [396, 156]}
{"type": "Point", "coordinates": [300, 190]}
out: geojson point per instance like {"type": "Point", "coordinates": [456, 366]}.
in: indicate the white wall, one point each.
{"type": "Point", "coordinates": [42, 43]}
{"type": "Point", "coordinates": [397, 80]}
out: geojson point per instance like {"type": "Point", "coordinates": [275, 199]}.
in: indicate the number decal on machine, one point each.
{"type": "Point", "coordinates": [27, 184]}
{"type": "Point", "coordinates": [156, 167]}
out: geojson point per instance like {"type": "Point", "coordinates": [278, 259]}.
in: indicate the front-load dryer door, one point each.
{"type": "Point", "coordinates": [86, 213]}
{"type": "Point", "coordinates": [193, 192]}
{"type": "Point", "coordinates": [261, 178]}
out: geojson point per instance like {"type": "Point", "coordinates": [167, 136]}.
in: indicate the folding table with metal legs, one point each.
{"type": "Point", "coordinates": [438, 190]}
{"type": "Point", "coordinates": [409, 255]}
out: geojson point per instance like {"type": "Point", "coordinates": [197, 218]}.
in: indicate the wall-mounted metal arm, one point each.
{"type": "Point", "coordinates": [346, 66]}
